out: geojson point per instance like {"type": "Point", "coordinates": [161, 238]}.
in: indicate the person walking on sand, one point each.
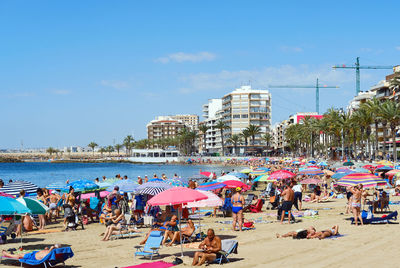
{"type": "Point", "coordinates": [356, 203]}
{"type": "Point", "coordinates": [237, 209]}
{"type": "Point", "coordinates": [297, 189]}
{"type": "Point", "coordinates": [288, 198]}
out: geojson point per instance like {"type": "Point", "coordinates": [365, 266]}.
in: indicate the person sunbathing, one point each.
{"type": "Point", "coordinates": [316, 195]}
{"type": "Point", "coordinates": [176, 236]}
{"type": "Point", "coordinates": [299, 234]}
{"type": "Point", "coordinates": [167, 226]}
{"type": "Point", "coordinates": [35, 255]}
{"type": "Point", "coordinates": [326, 233]}
{"type": "Point", "coordinates": [116, 224]}
{"type": "Point", "coordinates": [211, 245]}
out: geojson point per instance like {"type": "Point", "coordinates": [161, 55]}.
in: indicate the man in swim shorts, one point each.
{"type": "Point", "coordinates": [35, 255]}
{"type": "Point", "coordinates": [326, 233]}
{"type": "Point", "coordinates": [211, 246]}
{"type": "Point", "coordinates": [288, 198]}
{"type": "Point", "coordinates": [299, 234]}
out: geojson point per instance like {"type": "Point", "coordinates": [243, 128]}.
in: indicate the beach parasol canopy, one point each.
{"type": "Point", "coordinates": [312, 172]}
{"type": "Point", "coordinates": [344, 170]}
{"type": "Point", "coordinates": [370, 167]}
{"type": "Point", "coordinates": [227, 177]}
{"type": "Point", "coordinates": [153, 188]}
{"type": "Point", "coordinates": [35, 206]}
{"type": "Point", "coordinates": [15, 187]}
{"type": "Point", "coordinates": [176, 182]}
{"type": "Point", "coordinates": [235, 184]}
{"type": "Point", "coordinates": [384, 168]}
{"type": "Point", "coordinates": [211, 186]}
{"type": "Point", "coordinates": [10, 206]}
{"type": "Point", "coordinates": [312, 162]}
{"type": "Point", "coordinates": [206, 173]}
{"type": "Point", "coordinates": [212, 200]}
{"type": "Point", "coordinates": [392, 172]}
{"type": "Point", "coordinates": [196, 177]}
{"type": "Point", "coordinates": [81, 186]}
{"type": "Point", "coordinates": [56, 186]}
{"type": "Point", "coordinates": [385, 163]}
{"type": "Point", "coordinates": [340, 175]}
{"type": "Point", "coordinates": [328, 172]}
{"type": "Point", "coordinates": [124, 186]}
{"type": "Point", "coordinates": [366, 179]}
{"type": "Point", "coordinates": [246, 170]}
{"type": "Point", "coordinates": [176, 196]}
{"type": "Point", "coordinates": [361, 170]}
{"type": "Point", "coordinates": [348, 163]}
{"type": "Point", "coordinates": [323, 163]}
{"type": "Point", "coordinates": [281, 175]}
{"type": "Point", "coordinates": [262, 178]}
{"type": "Point", "coordinates": [310, 181]}
{"type": "Point", "coordinates": [238, 175]}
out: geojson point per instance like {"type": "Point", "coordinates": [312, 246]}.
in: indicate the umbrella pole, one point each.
{"type": "Point", "coordinates": [180, 228]}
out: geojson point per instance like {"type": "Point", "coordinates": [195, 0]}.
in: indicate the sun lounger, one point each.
{"type": "Point", "coordinates": [228, 246]}
{"type": "Point", "coordinates": [56, 256]}
{"type": "Point", "coordinates": [151, 247]}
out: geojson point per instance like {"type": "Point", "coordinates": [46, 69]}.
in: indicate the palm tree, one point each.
{"type": "Point", "coordinates": [110, 149]}
{"type": "Point", "coordinates": [118, 147]}
{"type": "Point", "coordinates": [373, 106]}
{"type": "Point", "coordinates": [92, 145]}
{"type": "Point", "coordinates": [222, 126]}
{"type": "Point", "coordinates": [203, 128]}
{"type": "Point", "coordinates": [253, 130]}
{"type": "Point", "coordinates": [394, 84]}
{"type": "Point", "coordinates": [267, 137]}
{"type": "Point", "coordinates": [235, 139]}
{"type": "Point", "coordinates": [102, 150]}
{"type": "Point", "coordinates": [391, 113]}
{"type": "Point", "coordinates": [128, 143]}
{"type": "Point", "coordinates": [245, 135]}
{"type": "Point", "coordinates": [51, 150]}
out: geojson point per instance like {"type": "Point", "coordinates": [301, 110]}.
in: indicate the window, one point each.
{"type": "Point", "coordinates": [236, 116]}
{"type": "Point", "coordinates": [235, 111]}
{"type": "Point", "coordinates": [245, 97]}
{"type": "Point", "coordinates": [236, 97]}
{"type": "Point", "coordinates": [245, 116]}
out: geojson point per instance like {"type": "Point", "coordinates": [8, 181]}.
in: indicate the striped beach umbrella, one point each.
{"type": "Point", "coordinates": [36, 207]}
{"type": "Point", "coordinates": [366, 179]}
{"type": "Point", "coordinates": [211, 186]}
{"type": "Point", "coordinates": [344, 170]}
{"type": "Point", "coordinates": [153, 188]}
{"type": "Point", "coordinates": [384, 168]}
{"type": "Point", "coordinates": [15, 187]}
{"type": "Point", "coordinates": [311, 172]}
{"type": "Point", "coordinates": [311, 181]}
{"type": "Point", "coordinates": [340, 175]}
{"type": "Point", "coordinates": [264, 178]}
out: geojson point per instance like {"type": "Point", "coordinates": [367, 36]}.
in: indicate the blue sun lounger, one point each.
{"type": "Point", "coordinates": [152, 245]}
{"type": "Point", "coordinates": [228, 246]}
{"type": "Point", "coordinates": [56, 256]}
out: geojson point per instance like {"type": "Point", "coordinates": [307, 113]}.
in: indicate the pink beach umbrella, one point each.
{"type": "Point", "coordinates": [281, 175]}
{"type": "Point", "coordinates": [234, 184]}
{"type": "Point", "coordinates": [213, 200]}
{"type": "Point", "coordinates": [176, 196]}
{"type": "Point", "coordinates": [310, 181]}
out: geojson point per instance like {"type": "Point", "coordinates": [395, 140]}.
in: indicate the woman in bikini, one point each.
{"type": "Point", "coordinates": [237, 209]}
{"type": "Point", "coordinates": [117, 221]}
{"type": "Point", "coordinates": [356, 203]}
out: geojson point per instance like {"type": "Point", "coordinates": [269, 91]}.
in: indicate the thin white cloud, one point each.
{"type": "Point", "coordinates": [291, 49]}
{"type": "Point", "coordinates": [114, 84]}
{"type": "Point", "coordinates": [61, 92]}
{"type": "Point", "coordinates": [262, 78]}
{"type": "Point", "coordinates": [187, 57]}
{"type": "Point", "coordinates": [397, 48]}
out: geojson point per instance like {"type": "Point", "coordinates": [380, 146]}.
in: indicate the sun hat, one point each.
{"type": "Point", "coordinates": [238, 189]}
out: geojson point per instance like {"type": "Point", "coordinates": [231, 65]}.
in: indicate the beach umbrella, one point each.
{"type": "Point", "coordinates": [35, 206]}
{"type": "Point", "coordinates": [10, 206]}
{"type": "Point", "coordinates": [245, 170]}
{"type": "Point", "coordinates": [235, 184]}
{"type": "Point", "coordinates": [369, 167]}
{"type": "Point", "coordinates": [340, 175]}
{"type": "Point", "coordinates": [56, 186]}
{"type": "Point", "coordinates": [348, 163]}
{"type": "Point", "coordinates": [312, 172]}
{"type": "Point", "coordinates": [103, 194]}
{"type": "Point", "coordinates": [81, 186]}
{"type": "Point", "coordinates": [392, 172]}
{"type": "Point", "coordinates": [366, 179]}
{"type": "Point", "coordinates": [344, 170]}
{"type": "Point", "coordinates": [227, 177]}
{"type": "Point", "coordinates": [238, 175]}
{"type": "Point", "coordinates": [211, 186]}
{"type": "Point", "coordinates": [397, 167]}
{"type": "Point", "coordinates": [15, 187]}
{"type": "Point", "coordinates": [310, 181]}
{"type": "Point", "coordinates": [281, 175]}
{"type": "Point", "coordinates": [196, 177]}
{"type": "Point", "coordinates": [124, 186]}
{"type": "Point", "coordinates": [296, 162]}
{"type": "Point", "coordinates": [322, 164]}
{"type": "Point", "coordinates": [153, 188]}
{"type": "Point", "coordinates": [177, 196]}
{"type": "Point", "coordinates": [384, 168]}
{"type": "Point", "coordinates": [361, 170]}
{"type": "Point", "coordinates": [212, 200]}
{"type": "Point", "coordinates": [6, 195]}
{"type": "Point", "coordinates": [385, 163]}
{"type": "Point", "coordinates": [312, 161]}
{"type": "Point", "coordinates": [155, 180]}
{"type": "Point", "coordinates": [176, 182]}
{"type": "Point", "coordinates": [262, 178]}
{"type": "Point", "coordinates": [206, 173]}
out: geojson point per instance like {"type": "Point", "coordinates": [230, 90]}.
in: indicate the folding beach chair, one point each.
{"type": "Point", "coordinates": [56, 256]}
{"type": "Point", "coordinates": [257, 207]}
{"type": "Point", "coordinates": [228, 246]}
{"type": "Point", "coordinates": [151, 247]}
{"type": "Point", "coordinates": [227, 207]}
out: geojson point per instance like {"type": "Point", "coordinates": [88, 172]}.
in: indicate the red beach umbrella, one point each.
{"type": "Point", "coordinates": [235, 184]}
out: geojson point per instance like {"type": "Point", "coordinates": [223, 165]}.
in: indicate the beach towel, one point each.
{"type": "Point", "coordinates": [58, 254]}
{"type": "Point", "coordinates": [157, 264]}
{"type": "Point", "coordinates": [46, 231]}
{"type": "Point", "coordinates": [336, 236]}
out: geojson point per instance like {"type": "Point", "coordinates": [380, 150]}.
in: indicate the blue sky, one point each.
{"type": "Point", "coordinates": [72, 72]}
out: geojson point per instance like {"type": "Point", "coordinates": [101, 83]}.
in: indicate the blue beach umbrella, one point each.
{"type": "Point", "coordinates": [211, 186]}
{"type": "Point", "coordinates": [10, 206]}
{"type": "Point", "coordinates": [322, 164]}
{"type": "Point", "coordinates": [312, 162]}
{"type": "Point", "coordinates": [239, 175]}
{"type": "Point", "coordinates": [124, 186]}
{"type": "Point", "coordinates": [82, 186]}
{"type": "Point", "coordinates": [176, 182]}
{"type": "Point", "coordinates": [156, 180]}
{"type": "Point", "coordinates": [340, 175]}
{"type": "Point", "coordinates": [56, 186]}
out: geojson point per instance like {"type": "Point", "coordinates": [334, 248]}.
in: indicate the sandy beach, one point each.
{"type": "Point", "coordinates": [370, 245]}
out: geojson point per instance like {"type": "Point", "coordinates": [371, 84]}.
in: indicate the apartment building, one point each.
{"type": "Point", "coordinates": [212, 112]}
{"type": "Point", "coordinates": [245, 106]}
{"type": "Point", "coordinates": [166, 128]}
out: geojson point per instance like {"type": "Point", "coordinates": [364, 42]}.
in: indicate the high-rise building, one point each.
{"type": "Point", "coordinates": [161, 129]}
{"type": "Point", "coordinates": [243, 107]}
{"type": "Point", "coordinates": [190, 120]}
{"type": "Point", "coordinates": [212, 112]}
{"type": "Point", "coordinates": [211, 108]}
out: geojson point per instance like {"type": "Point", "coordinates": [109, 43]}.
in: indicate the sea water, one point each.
{"type": "Point", "coordinates": [43, 174]}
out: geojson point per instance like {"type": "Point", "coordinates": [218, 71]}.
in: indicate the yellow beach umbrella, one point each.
{"type": "Point", "coordinates": [245, 171]}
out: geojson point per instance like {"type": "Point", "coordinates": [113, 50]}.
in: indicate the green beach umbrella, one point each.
{"type": "Point", "coordinates": [10, 206]}
{"type": "Point", "coordinates": [34, 205]}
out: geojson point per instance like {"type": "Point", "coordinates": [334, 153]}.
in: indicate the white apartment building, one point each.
{"type": "Point", "coordinates": [245, 106]}
{"type": "Point", "coordinates": [212, 112]}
